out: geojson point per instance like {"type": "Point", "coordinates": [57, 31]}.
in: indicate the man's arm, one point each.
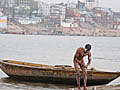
{"type": "Point", "coordinates": [89, 59]}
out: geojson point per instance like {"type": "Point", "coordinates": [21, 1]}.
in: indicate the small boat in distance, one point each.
{"type": "Point", "coordinates": [59, 74]}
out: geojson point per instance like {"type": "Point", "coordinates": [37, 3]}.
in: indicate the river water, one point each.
{"type": "Point", "coordinates": [56, 50]}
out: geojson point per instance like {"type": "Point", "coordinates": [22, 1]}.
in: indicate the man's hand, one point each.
{"type": "Point", "coordinates": [79, 62]}
{"type": "Point", "coordinates": [87, 65]}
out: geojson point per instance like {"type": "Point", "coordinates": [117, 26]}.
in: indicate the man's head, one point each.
{"type": "Point", "coordinates": [88, 47]}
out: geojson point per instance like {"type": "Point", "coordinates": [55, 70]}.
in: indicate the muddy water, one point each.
{"type": "Point", "coordinates": [52, 50]}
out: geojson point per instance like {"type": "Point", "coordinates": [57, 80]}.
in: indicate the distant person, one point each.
{"type": "Point", "coordinates": [79, 62]}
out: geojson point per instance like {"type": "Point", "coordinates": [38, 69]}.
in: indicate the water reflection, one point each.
{"type": "Point", "coordinates": [25, 85]}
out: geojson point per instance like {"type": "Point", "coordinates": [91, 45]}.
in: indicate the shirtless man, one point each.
{"type": "Point", "coordinates": [79, 61]}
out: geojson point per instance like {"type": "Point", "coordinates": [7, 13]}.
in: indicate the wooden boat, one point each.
{"type": "Point", "coordinates": [53, 74]}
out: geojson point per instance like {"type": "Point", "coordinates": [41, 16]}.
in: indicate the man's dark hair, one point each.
{"type": "Point", "coordinates": [88, 47]}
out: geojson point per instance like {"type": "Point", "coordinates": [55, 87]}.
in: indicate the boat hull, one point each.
{"type": "Point", "coordinates": [51, 74]}
{"type": "Point", "coordinates": [56, 80]}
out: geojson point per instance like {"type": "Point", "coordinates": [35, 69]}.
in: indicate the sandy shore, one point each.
{"type": "Point", "coordinates": [111, 87]}
{"type": "Point", "coordinates": [103, 87]}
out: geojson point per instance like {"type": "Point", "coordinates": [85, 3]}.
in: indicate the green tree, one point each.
{"type": "Point", "coordinates": [25, 10]}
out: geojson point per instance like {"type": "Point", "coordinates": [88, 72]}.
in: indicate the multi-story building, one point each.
{"type": "Point", "coordinates": [24, 2]}
{"type": "Point", "coordinates": [81, 6]}
{"type": "Point", "coordinates": [43, 9]}
{"type": "Point", "coordinates": [3, 3]}
{"type": "Point", "coordinates": [92, 3]}
{"type": "Point", "coordinates": [30, 3]}
{"type": "Point", "coordinates": [57, 11]}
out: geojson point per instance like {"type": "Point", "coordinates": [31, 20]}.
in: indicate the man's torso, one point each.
{"type": "Point", "coordinates": [82, 54]}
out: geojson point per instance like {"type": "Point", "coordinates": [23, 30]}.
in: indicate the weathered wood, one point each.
{"type": "Point", "coordinates": [60, 74]}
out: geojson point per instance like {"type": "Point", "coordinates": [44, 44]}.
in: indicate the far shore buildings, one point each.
{"type": "Point", "coordinates": [71, 16]}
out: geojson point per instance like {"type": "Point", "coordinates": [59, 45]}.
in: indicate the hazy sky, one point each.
{"type": "Point", "coordinates": [114, 4]}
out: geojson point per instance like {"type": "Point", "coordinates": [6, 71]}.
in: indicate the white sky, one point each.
{"type": "Point", "coordinates": [114, 4]}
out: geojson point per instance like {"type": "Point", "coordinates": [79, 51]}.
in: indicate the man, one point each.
{"type": "Point", "coordinates": [79, 61]}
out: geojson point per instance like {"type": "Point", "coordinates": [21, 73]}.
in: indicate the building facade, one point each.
{"type": "Point", "coordinates": [43, 9]}
{"type": "Point", "coordinates": [24, 2]}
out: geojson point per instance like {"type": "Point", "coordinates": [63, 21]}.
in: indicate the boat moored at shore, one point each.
{"type": "Point", "coordinates": [59, 74]}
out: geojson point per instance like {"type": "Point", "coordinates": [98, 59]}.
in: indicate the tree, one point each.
{"type": "Point", "coordinates": [25, 10]}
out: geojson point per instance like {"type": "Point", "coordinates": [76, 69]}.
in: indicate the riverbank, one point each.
{"type": "Point", "coordinates": [111, 87]}
{"type": "Point", "coordinates": [40, 29]}
{"type": "Point", "coordinates": [103, 87]}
